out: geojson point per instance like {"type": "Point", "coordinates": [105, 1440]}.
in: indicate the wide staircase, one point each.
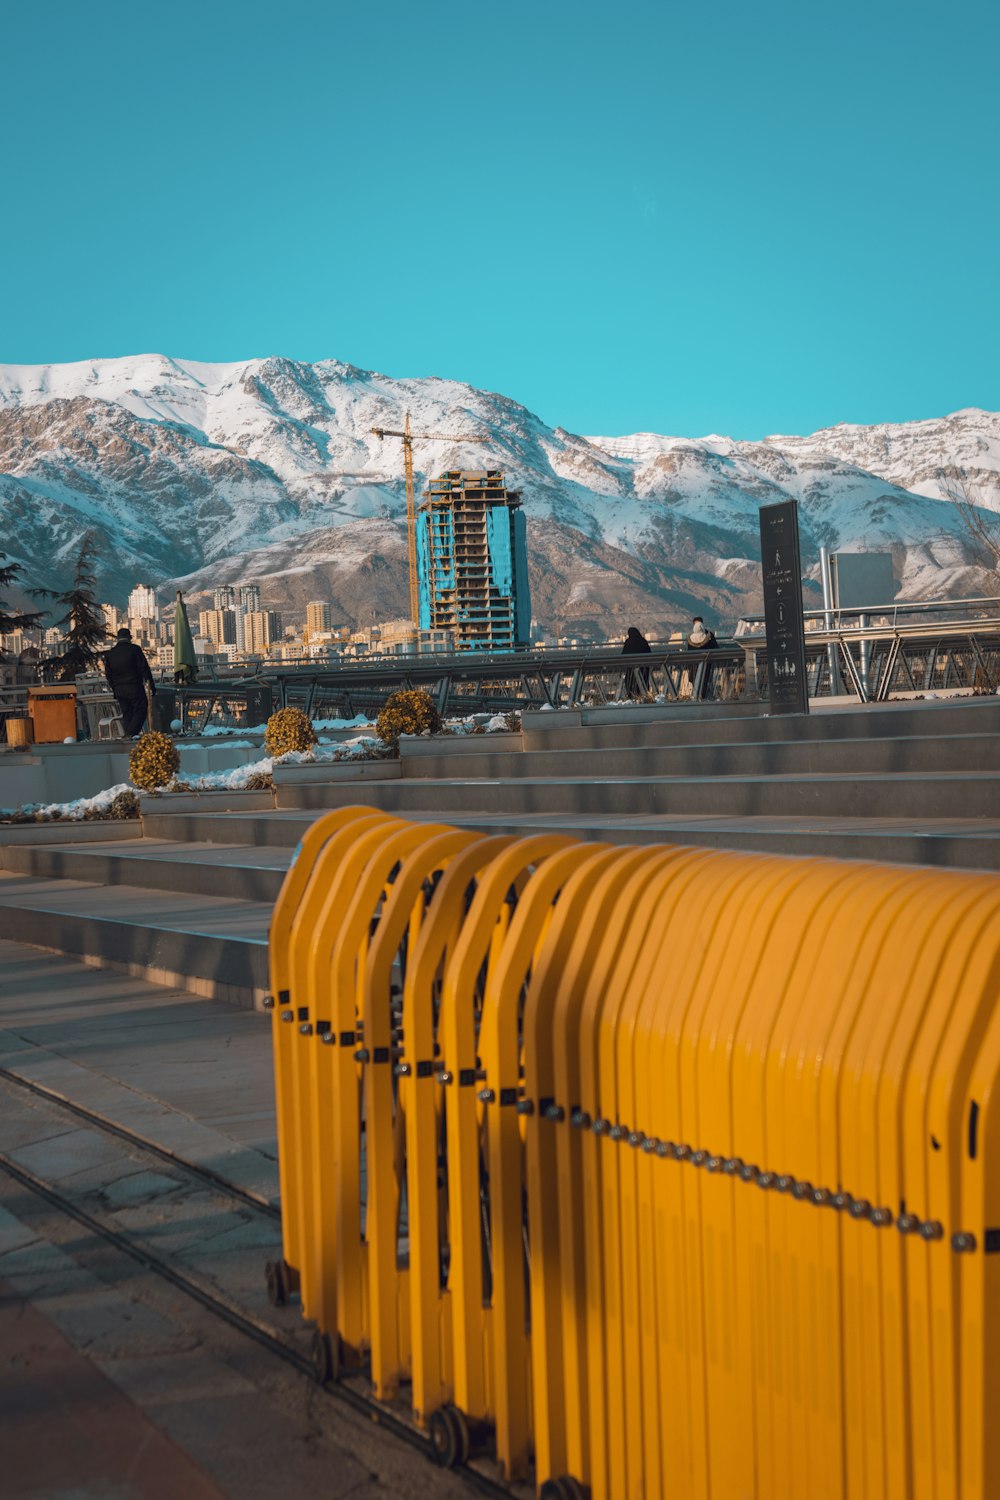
{"type": "Point", "coordinates": [188, 902]}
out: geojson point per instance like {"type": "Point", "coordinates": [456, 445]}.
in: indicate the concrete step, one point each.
{"type": "Point", "coordinates": [957, 752]}
{"type": "Point", "coordinates": [967, 794]}
{"type": "Point", "coordinates": [665, 725]}
{"type": "Point", "coordinates": [281, 829]}
{"type": "Point", "coordinates": [211, 945]}
{"type": "Point", "coordinates": [238, 872]}
{"type": "Point", "coordinates": [968, 843]}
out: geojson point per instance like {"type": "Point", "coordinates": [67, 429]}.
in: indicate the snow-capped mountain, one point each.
{"type": "Point", "coordinates": [267, 469]}
{"type": "Point", "coordinates": [925, 457]}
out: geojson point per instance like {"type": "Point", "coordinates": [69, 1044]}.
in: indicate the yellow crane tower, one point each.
{"type": "Point", "coordinates": [409, 438]}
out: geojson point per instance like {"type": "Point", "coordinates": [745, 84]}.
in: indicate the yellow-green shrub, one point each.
{"type": "Point", "coordinates": [288, 729]}
{"type": "Point", "coordinates": [154, 761]}
{"type": "Point", "coordinates": [409, 712]}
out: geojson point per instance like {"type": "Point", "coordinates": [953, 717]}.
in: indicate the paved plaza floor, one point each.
{"type": "Point", "coordinates": [114, 1384]}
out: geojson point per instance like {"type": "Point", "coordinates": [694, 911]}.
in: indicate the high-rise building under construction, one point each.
{"type": "Point", "coordinates": [472, 562]}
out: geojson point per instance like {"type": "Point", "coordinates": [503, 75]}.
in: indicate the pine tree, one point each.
{"type": "Point", "coordinates": [9, 573]}
{"type": "Point", "coordinates": [83, 622]}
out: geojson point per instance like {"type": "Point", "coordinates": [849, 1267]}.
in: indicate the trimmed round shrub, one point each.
{"type": "Point", "coordinates": [288, 729]}
{"type": "Point", "coordinates": [154, 761]}
{"type": "Point", "coordinates": [409, 712]}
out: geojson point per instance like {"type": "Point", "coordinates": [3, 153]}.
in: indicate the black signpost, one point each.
{"type": "Point", "coordinates": [783, 625]}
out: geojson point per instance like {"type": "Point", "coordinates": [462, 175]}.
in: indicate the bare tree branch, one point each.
{"type": "Point", "coordinates": [978, 505]}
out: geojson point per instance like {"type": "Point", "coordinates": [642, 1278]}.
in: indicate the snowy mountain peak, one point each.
{"type": "Point", "coordinates": [269, 468]}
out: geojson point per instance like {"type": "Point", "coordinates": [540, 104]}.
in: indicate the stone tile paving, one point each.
{"type": "Point", "coordinates": [107, 1447]}
{"type": "Point", "coordinates": [196, 1076]}
{"type": "Point", "coordinates": [153, 1399]}
{"type": "Point", "coordinates": [193, 1075]}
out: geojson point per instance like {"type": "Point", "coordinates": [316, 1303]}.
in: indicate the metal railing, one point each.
{"type": "Point", "coordinates": [914, 647]}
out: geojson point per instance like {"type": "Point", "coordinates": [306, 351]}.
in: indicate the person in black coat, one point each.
{"type": "Point", "coordinates": [127, 671]}
{"type": "Point", "coordinates": [636, 644]}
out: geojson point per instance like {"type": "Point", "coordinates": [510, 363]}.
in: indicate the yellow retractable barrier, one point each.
{"type": "Point", "coordinates": [358, 1093]}
{"type": "Point", "coordinates": [389, 1349]}
{"type": "Point", "coordinates": [422, 1098]}
{"type": "Point", "coordinates": [315, 933]}
{"type": "Point", "coordinates": [474, 1325]}
{"type": "Point", "coordinates": [650, 1171]}
{"type": "Point", "coordinates": [283, 1276]}
{"type": "Point", "coordinates": [977, 1244]}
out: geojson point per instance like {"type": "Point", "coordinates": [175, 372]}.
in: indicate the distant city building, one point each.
{"type": "Point", "coordinates": [319, 617]}
{"type": "Point", "coordinates": [249, 600]}
{"type": "Point", "coordinates": [112, 617]}
{"type": "Point", "coordinates": [472, 562]}
{"type": "Point", "coordinates": [263, 627]}
{"type": "Point", "coordinates": [224, 597]}
{"type": "Point", "coordinates": [402, 638]}
{"type": "Point", "coordinates": [219, 625]}
{"type": "Point", "coordinates": [20, 640]}
{"type": "Point", "coordinates": [142, 603]}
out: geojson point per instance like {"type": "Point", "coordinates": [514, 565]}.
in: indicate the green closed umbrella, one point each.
{"type": "Point", "coordinates": [185, 661]}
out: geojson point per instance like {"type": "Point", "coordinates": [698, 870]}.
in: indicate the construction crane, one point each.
{"type": "Point", "coordinates": [409, 438]}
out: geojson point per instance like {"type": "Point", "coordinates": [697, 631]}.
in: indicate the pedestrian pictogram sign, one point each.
{"type": "Point", "coordinates": [783, 623]}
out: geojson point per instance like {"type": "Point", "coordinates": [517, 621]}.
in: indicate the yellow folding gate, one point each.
{"type": "Point", "coordinates": [652, 1172]}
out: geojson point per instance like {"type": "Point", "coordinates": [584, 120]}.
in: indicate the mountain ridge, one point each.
{"type": "Point", "coordinates": [204, 472]}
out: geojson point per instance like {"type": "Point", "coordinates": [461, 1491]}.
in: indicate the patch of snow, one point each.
{"type": "Point", "coordinates": [75, 811]}
{"type": "Point", "coordinates": [236, 779]}
{"type": "Point", "coordinates": [359, 721]}
{"type": "Point", "coordinates": [214, 731]}
{"type": "Point", "coordinates": [485, 723]}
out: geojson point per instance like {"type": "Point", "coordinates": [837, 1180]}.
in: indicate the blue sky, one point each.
{"type": "Point", "coordinates": [630, 216]}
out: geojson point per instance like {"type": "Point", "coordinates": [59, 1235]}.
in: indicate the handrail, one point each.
{"type": "Point", "coordinates": [896, 608]}
{"type": "Point", "coordinates": [946, 629]}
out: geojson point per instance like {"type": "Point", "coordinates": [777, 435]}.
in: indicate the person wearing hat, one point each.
{"type": "Point", "coordinates": [127, 671]}
{"type": "Point", "coordinates": [702, 639]}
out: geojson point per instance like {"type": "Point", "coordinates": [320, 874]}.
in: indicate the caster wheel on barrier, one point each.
{"type": "Point", "coordinates": [449, 1434]}
{"type": "Point", "coordinates": [564, 1488]}
{"type": "Point", "coordinates": [326, 1357]}
{"type": "Point", "coordinates": [277, 1283]}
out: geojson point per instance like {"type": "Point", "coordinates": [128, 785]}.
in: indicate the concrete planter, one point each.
{"type": "Point", "coordinates": [63, 773]}
{"type": "Point", "coordinates": [413, 746]}
{"type": "Point", "coordinates": [206, 802]}
{"type": "Point", "coordinates": [535, 721]}
{"type": "Point", "coordinates": [347, 770]}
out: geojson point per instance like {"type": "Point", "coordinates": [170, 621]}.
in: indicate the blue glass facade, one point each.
{"type": "Point", "coordinates": [472, 562]}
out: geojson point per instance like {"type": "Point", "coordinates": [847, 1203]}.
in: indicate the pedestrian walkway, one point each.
{"type": "Point", "coordinates": [152, 1396]}
{"type": "Point", "coordinates": [106, 1446]}
{"type": "Point", "coordinates": [190, 1074]}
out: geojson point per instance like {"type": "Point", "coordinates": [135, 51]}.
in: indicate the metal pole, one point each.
{"type": "Point", "coordinates": [865, 647]}
{"type": "Point", "coordinates": [831, 650]}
